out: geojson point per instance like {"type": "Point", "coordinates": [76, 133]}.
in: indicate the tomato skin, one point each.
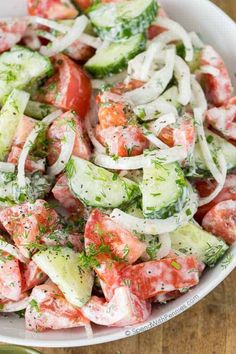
{"type": "Point", "coordinates": [10, 277]}
{"type": "Point", "coordinates": [205, 188]}
{"type": "Point", "coordinates": [56, 133]}
{"type": "Point", "coordinates": [148, 279]}
{"type": "Point", "coordinates": [124, 309]}
{"type": "Point", "coordinates": [218, 89]}
{"type": "Point", "coordinates": [51, 310]}
{"type": "Point", "coordinates": [62, 193]}
{"type": "Point", "coordinates": [31, 276]}
{"type": "Point", "coordinates": [60, 89]}
{"type": "Point", "coordinates": [122, 141]}
{"type": "Point", "coordinates": [221, 221]}
{"type": "Point", "coordinates": [26, 222]}
{"type": "Point", "coordinates": [101, 229]}
{"type": "Point", "coordinates": [52, 9]}
{"type": "Point", "coordinates": [166, 135]}
{"type": "Point", "coordinates": [223, 118]}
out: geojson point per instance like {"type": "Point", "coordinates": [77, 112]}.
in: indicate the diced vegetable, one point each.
{"type": "Point", "coordinates": [38, 110]}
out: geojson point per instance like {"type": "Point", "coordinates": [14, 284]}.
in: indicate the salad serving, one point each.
{"type": "Point", "coordinates": [117, 160]}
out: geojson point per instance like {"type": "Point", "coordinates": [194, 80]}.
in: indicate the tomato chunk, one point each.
{"type": "Point", "coordinates": [11, 32]}
{"type": "Point", "coordinates": [56, 134]}
{"type": "Point", "coordinates": [123, 141]}
{"type": "Point", "coordinates": [221, 220]}
{"type": "Point", "coordinates": [218, 89]}
{"type": "Point", "coordinates": [10, 277]}
{"type": "Point", "coordinates": [31, 165]}
{"type": "Point", "coordinates": [52, 9]}
{"type": "Point", "coordinates": [31, 276]}
{"type": "Point", "coordinates": [60, 89]}
{"type": "Point", "coordinates": [205, 188]}
{"type": "Point", "coordinates": [149, 279]}
{"type": "Point", "coordinates": [26, 223]}
{"type": "Point", "coordinates": [62, 193]}
{"type": "Point", "coordinates": [124, 309]}
{"type": "Point", "coordinates": [101, 229]}
{"type": "Point", "coordinates": [223, 119]}
{"type": "Point", "coordinates": [112, 115]}
{"type": "Point", "coordinates": [48, 309]}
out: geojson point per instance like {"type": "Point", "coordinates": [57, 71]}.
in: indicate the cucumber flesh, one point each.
{"type": "Point", "coordinates": [164, 190]}
{"type": "Point", "coordinates": [10, 116]}
{"type": "Point", "coordinates": [114, 58]}
{"type": "Point", "coordinates": [199, 168]}
{"type": "Point", "coordinates": [116, 21]}
{"type": "Point", "coordinates": [19, 68]}
{"type": "Point", "coordinates": [63, 267]}
{"type": "Point", "coordinates": [97, 187]}
{"type": "Point", "coordinates": [192, 240]}
{"type": "Point", "coordinates": [38, 110]}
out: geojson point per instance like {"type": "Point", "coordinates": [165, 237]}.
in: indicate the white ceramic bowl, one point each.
{"type": "Point", "coordinates": [216, 28]}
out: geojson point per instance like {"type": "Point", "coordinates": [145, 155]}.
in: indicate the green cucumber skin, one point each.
{"type": "Point", "coordinates": [116, 67]}
{"type": "Point", "coordinates": [125, 29]}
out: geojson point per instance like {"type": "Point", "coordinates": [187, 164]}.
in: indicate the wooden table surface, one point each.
{"type": "Point", "coordinates": [207, 328]}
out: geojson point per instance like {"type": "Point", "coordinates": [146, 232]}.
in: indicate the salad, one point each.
{"type": "Point", "coordinates": [117, 160]}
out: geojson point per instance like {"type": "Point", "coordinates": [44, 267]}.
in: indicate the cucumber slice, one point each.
{"type": "Point", "coordinates": [192, 240]}
{"type": "Point", "coordinates": [114, 58]}
{"type": "Point", "coordinates": [199, 168]}
{"type": "Point", "coordinates": [20, 67]}
{"type": "Point", "coordinates": [116, 21]}
{"type": "Point", "coordinates": [10, 115]}
{"type": "Point", "coordinates": [164, 190]}
{"type": "Point", "coordinates": [97, 187]}
{"type": "Point", "coordinates": [38, 110]}
{"type": "Point", "coordinates": [63, 267]}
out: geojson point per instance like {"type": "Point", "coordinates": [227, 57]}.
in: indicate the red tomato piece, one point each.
{"type": "Point", "coordinates": [11, 32]}
{"type": "Point", "coordinates": [218, 89]}
{"type": "Point", "coordinates": [30, 165]}
{"type": "Point", "coordinates": [221, 221]}
{"type": "Point", "coordinates": [31, 276]}
{"type": "Point", "coordinates": [48, 309]}
{"type": "Point", "coordinates": [124, 309]}
{"type": "Point", "coordinates": [62, 237]}
{"type": "Point", "coordinates": [101, 229]}
{"type": "Point", "coordinates": [26, 223]}
{"type": "Point", "coordinates": [112, 115]}
{"type": "Point", "coordinates": [10, 277]}
{"type": "Point", "coordinates": [84, 4]}
{"type": "Point", "coordinates": [148, 279]}
{"type": "Point", "coordinates": [56, 134]}
{"type": "Point", "coordinates": [205, 188]}
{"type": "Point", "coordinates": [60, 89]}
{"type": "Point", "coordinates": [80, 51]}
{"type": "Point", "coordinates": [62, 193]}
{"type": "Point", "coordinates": [123, 141]}
{"type": "Point", "coordinates": [223, 119]}
{"type": "Point", "coordinates": [23, 130]}
{"type": "Point", "coordinates": [166, 135]}
{"type": "Point", "coordinates": [52, 9]}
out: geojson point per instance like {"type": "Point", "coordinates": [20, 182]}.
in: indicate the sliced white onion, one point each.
{"type": "Point", "coordinates": [61, 43]}
{"type": "Point", "coordinates": [165, 248]}
{"type": "Point", "coordinates": [198, 115]}
{"type": "Point", "coordinates": [153, 139]}
{"type": "Point", "coordinates": [198, 99]}
{"type": "Point", "coordinates": [142, 161]}
{"type": "Point", "coordinates": [219, 187]}
{"type": "Point", "coordinates": [158, 226]}
{"type": "Point", "coordinates": [150, 55]}
{"type": "Point", "coordinates": [7, 167]}
{"type": "Point", "coordinates": [153, 109]}
{"type": "Point", "coordinates": [31, 39]}
{"type": "Point", "coordinates": [182, 75]}
{"type": "Point", "coordinates": [165, 38]}
{"type": "Point", "coordinates": [111, 80]}
{"type": "Point", "coordinates": [162, 122]}
{"type": "Point", "coordinates": [46, 35]}
{"type": "Point", "coordinates": [28, 144]}
{"type": "Point", "coordinates": [209, 69]}
{"type": "Point", "coordinates": [13, 306]}
{"type": "Point", "coordinates": [156, 85]}
{"type": "Point", "coordinates": [92, 41]}
{"type": "Point", "coordinates": [49, 23]}
{"type": "Point", "coordinates": [180, 32]}
{"type": "Point", "coordinates": [12, 250]}
{"type": "Point", "coordinates": [67, 146]}
{"type": "Point", "coordinates": [110, 96]}
{"type": "Point", "coordinates": [196, 41]}
{"type": "Point", "coordinates": [89, 330]}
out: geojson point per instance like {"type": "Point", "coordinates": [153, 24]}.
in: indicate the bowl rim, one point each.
{"type": "Point", "coordinates": [178, 306]}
